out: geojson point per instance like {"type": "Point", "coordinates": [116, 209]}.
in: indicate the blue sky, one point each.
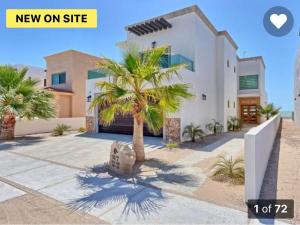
{"type": "Point", "coordinates": [241, 18]}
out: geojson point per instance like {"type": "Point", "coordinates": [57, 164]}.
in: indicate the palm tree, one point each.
{"type": "Point", "coordinates": [20, 97]}
{"type": "Point", "coordinates": [140, 89]}
{"type": "Point", "coordinates": [269, 110]}
{"type": "Point", "coordinates": [193, 132]}
{"type": "Point", "coordinates": [228, 169]}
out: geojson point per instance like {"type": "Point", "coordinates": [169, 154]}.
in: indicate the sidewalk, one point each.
{"type": "Point", "coordinates": [282, 178]}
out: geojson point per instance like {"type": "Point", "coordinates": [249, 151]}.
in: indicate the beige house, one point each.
{"type": "Point", "coordinates": [66, 75]}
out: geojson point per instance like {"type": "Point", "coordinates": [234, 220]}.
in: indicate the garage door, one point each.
{"type": "Point", "coordinates": [123, 125]}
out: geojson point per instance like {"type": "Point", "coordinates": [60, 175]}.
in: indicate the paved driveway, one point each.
{"type": "Point", "coordinates": [75, 150]}
{"type": "Point", "coordinates": [55, 168]}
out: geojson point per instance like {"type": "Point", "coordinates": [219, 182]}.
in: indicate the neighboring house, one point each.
{"type": "Point", "coordinates": [34, 72]}
{"type": "Point", "coordinates": [297, 90]}
{"type": "Point", "coordinates": [224, 84]}
{"type": "Point", "coordinates": [67, 73]}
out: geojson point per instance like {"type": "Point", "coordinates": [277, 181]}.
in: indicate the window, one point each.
{"type": "Point", "coordinates": [248, 82]}
{"type": "Point", "coordinates": [228, 104]}
{"type": "Point", "coordinates": [93, 74]}
{"type": "Point", "coordinates": [45, 82]}
{"type": "Point", "coordinates": [58, 78]}
{"type": "Point", "coordinates": [234, 69]}
{"type": "Point", "coordinates": [228, 63]}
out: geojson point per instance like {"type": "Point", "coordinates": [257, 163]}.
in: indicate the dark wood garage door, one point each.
{"type": "Point", "coordinates": [123, 125]}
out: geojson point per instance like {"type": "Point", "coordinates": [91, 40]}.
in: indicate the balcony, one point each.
{"type": "Point", "coordinates": [171, 60]}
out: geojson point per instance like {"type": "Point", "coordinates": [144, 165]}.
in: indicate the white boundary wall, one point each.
{"type": "Point", "coordinates": [36, 126]}
{"type": "Point", "coordinates": [258, 147]}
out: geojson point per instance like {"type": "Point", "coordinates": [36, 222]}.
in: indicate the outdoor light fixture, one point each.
{"type": "Point", "coordinates": [89, 98]}
{"type": "Point", "coordinates": [153, 44]}
{"type": "Point", "coordinates": [204, 97]}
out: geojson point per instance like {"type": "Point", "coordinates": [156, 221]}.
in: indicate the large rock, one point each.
{"type": "Point", "coordinates": [122, 158]}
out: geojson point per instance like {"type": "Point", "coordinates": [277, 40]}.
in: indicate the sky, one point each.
{"type": "Point", "coordinates": [243, 19]}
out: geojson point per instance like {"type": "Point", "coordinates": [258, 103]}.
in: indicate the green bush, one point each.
{"type": "Point", "coordinates": [60, 129]}
{"type": "Point", "coordinates": [81, 130]}
{"type": "Point", "coordinates": [172, 145]}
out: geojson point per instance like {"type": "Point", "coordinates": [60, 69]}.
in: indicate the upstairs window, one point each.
{"type": "Point", "coordinates": [228, 63]}
{"type": "Point", "coordinates": [248, 82]}
{"type": "Point", "coordinates": [58, 78]}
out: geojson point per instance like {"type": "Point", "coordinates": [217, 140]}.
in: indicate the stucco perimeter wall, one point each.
{"type": "Point", "coordinates": [25, 127]}
{"type": "Point", "coordinates": [258, 147]}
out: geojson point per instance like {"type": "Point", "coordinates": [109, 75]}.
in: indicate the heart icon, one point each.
{"type": "Point", "coordinates": [278, 20]}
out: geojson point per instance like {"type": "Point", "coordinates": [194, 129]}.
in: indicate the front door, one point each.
{"type": "Point", "coordinates": [249, 114]}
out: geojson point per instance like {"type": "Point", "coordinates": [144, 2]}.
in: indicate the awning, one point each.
{"type": "Point", "coordinates": [149, 26]}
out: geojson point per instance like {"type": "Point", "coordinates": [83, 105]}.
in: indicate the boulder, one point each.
{"type": "Point", "coordinates": [122, 158]}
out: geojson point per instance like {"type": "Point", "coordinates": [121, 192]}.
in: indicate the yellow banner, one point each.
{"type": "Point", "coordinates": [51, 18]}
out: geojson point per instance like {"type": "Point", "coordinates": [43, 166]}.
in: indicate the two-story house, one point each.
{"type": "Point", "coordinates": [66, 75]}
{"type": "Point", "coordinates": [224, 85]}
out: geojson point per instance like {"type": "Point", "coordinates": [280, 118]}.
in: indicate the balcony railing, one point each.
{"type": "Point", "coordinates": [170, 60]}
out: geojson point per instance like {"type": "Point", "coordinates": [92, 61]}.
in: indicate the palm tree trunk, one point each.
{"type": "Point", "coordinates": [7, 127]}
{"type": "Point", "coordinates": [138, 138]}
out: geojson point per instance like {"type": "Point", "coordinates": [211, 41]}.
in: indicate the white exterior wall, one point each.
{"type": "Point", "coordinates": [226, 81]}
{"type": "Point", "coordinates": [37, 126]}
{"type": "Point", "coordinates": [258, 147]}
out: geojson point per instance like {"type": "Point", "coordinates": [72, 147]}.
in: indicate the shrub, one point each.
{"type": "Point", "coordinates": [81, 130]}
{"type": "Point", "coordinates": [172, 145]}
{"type": "Point", "coordinates": [227, 169]}
{"type": "Point", "coordinates": [60, 129]}
{"type": "Point", "coordinates": [268, 111]}
{"type": "Point", "coordinates": [193, 132]}
{"type": "Point", "coordinates": [234, 124]}
{"type": "Point", "coordinates": [215, 127]}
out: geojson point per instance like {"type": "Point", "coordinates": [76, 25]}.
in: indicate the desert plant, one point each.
{"type": "Point", "coordinates": [82, 129]}
{"type": "Point", "coordinates": [20, 98]}
{"type": "Point", "coordinates": [269, 110]}
{"type": "Point", "coordinates": [60, 129]}
{"type": "Point", "coordinates": [234, 124]}
{"type": "Point", "coordinates": [227, 169]}
{"type": "Point", "coordinates": [139, 88]}
{"type": "Point", "coordinates": [193, 132]}
{"type": "Point", "coordinates": [172, 145]}
{"type": "Point", "coordinates": [215, 127]}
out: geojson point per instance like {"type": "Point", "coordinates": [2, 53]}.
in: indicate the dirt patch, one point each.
{"type": "Point", "coordinates": [33, 209]}
{"type": "Point", "coordinates": [169, 155]}
{"type": "Point", "coordinates": [220, 193]}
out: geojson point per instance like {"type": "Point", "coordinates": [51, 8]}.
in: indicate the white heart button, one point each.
{"type": "Point", "coordinates": [278, 20]}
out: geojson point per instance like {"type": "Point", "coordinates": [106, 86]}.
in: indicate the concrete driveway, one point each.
{"type": "Point", "coordinates": [74, 150]}
{"type": "Point", "coordinates": [55, 168]}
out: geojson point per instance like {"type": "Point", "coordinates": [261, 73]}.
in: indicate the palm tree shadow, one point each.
{"type": "Point", "coordinates": [107, 189]}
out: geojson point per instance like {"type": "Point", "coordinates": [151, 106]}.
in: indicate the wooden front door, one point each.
{"type": "Point", "coordinates": [249, 113]}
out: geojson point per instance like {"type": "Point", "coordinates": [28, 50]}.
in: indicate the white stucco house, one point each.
{"type": "Point", "coordinates": [297, 90]}
{"type": "Point", "coordinates": [224, 84]}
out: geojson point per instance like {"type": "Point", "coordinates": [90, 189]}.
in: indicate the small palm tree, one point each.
{"type": "Point", "coordinates": [234, 124]}
{"type": "Point", "coordinates": [60, 129]}
{"type": "Point", "coordinates": [229, 169]}
{"type": "Point", "coordinates": [269, 110]}
{"type": "Point", "coordinates": [215, 127]}
{"type": "Point", "coordinates": [140, 89]}
{"type": "Point", "coordinates": [20, 97]}
{"type": "Point", "coordinates": [193, 132]}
